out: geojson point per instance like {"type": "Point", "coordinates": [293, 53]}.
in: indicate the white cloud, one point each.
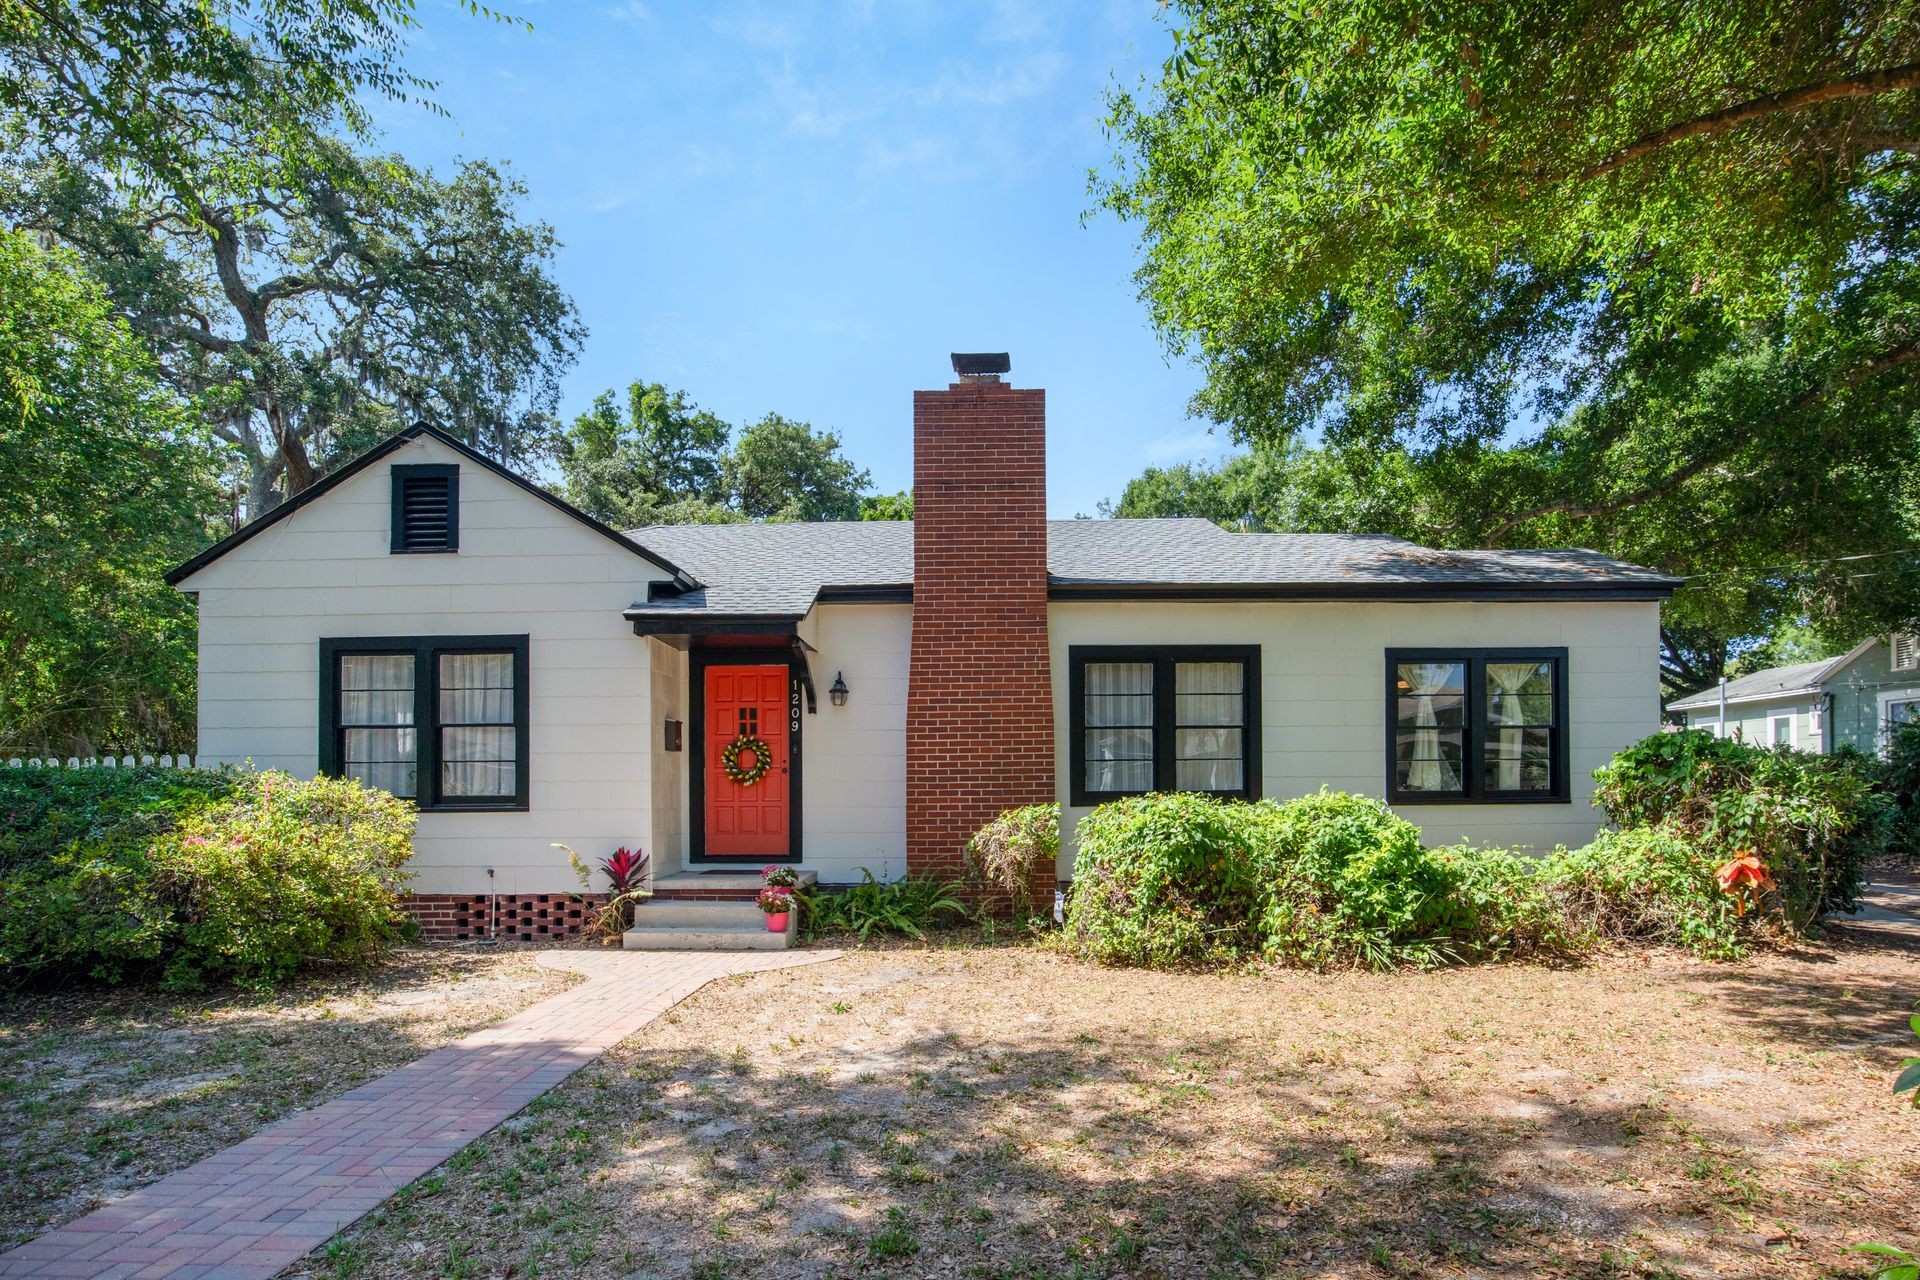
{"type": "Point", "coordinates": [632, 12]}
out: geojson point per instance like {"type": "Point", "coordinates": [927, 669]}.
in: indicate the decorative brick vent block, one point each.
{"type": "Point", "coordinates": [979, 695]}
{"type": "Point", "coordinates": [515, 917]}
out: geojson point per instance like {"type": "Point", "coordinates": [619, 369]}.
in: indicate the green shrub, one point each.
{"type": "Point", "coordinates": [1005, 856]}
{"type": "Point", "coordinates": [44, 812]}
{"type": "Point", "coordinates": [1502, 907]}
{"type": "Point", "coordinates": [277, 874]}
{"type": "Point", "coordinates": [1167, 879]}
{"type": "Point", "coordinates": [908, 906]}
{"type": "Point", "coordinates": [1349, 881]}
{"type": "Point", "coordinates": [1649, 884]}
{"type": "Point", "coordinates": [1814, 820]}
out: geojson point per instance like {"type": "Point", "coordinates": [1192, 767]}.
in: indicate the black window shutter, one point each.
{"type": "Point", "coordinates": [426, 508]}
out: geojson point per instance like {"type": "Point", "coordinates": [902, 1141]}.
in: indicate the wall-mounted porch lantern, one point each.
{"type": "Point", "coordinates": [837, 691]}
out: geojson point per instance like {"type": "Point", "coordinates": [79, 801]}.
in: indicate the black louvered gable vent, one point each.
{"type": "Point", "coordinates": [426, 508]}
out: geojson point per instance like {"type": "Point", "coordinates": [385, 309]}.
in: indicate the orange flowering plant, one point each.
{"type": "Point", "coordinates": [1744, 878]}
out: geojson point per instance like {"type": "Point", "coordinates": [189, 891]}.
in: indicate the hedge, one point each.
{"type": "Point", "coordinates": [1333, 878]}
{"type": "Point", "coordinates": [228, 876]}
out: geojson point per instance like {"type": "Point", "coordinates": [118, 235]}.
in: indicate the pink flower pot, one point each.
{"type": "Point", "coordinates": [777, 923]}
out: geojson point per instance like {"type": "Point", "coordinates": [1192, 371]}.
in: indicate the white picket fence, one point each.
{"type": "Point", "coordinates": [99, 762]}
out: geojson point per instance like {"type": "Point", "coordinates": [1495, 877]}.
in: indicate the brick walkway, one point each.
{"type": "Point", "coordinates": [249, 1211]}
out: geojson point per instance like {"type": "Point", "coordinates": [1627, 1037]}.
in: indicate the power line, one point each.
{"type": "Point", "coordinates": [1776, 568]}
{"type": "Point", "coordinates": [1852, 577]}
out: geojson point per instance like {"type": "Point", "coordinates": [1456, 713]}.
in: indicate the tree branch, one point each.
{"type": "Point", "coordinates": [1885, 362]}
{"type": "Point", "coordinates": [1864, 85]}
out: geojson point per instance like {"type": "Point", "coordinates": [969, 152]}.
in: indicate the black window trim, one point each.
{"type": "Point", "coordinates": [1473, 762]}
{"type": "Point", "coordinates": [404, 471]}
{"type": "Point", "coordinates": [1163, 656]}
{"type": "Point", "coordinates": [426, 651]}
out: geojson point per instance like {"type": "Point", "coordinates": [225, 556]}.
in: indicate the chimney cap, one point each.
{"type": "Point", "coordinates": [981, 364]}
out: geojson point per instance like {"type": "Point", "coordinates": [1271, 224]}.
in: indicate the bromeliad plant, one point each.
{"type": "Point", "coordinates": [626, 872]}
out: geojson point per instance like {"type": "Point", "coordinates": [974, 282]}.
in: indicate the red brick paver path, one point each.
{"type": "Point", "coordinates": [249, 1211]}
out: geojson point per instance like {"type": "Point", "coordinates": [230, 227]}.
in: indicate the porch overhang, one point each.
{"type": "Point", "coordinates": [765, 630]}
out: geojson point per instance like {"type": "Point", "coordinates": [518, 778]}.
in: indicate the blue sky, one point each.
{"type": "Point", "coordinates": [804, 208]}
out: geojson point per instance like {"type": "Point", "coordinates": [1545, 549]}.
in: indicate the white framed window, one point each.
{"type": "Point", "coordinates": [1897, 707]}
{"type": "Point", "coordinates": [1780, 730]}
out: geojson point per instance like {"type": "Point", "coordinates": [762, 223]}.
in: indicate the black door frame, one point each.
{"type": "Point", "coordinates": [698, 660]}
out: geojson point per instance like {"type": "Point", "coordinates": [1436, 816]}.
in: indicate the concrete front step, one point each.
{"type": "Point", "coordinates": [667, 925]}
{"type": "Point", "coordinates": [695, 913]}
{"type": "Point", "coordinates": [756, 939]}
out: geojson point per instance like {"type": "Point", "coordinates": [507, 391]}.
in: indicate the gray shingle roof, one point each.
{"type": "Point", "coordinates": [1771, 683]}
{"type": "Point", "coordinates": [777, 570]}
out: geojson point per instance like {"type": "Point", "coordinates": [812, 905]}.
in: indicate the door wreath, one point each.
{"type": "Point", "coordinates": [746, 775]}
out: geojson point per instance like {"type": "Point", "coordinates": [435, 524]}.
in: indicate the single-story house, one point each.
{"type": "Point", "coordinates": [866, 695]}
{"type": "Point", "coordinates": [1854, 699]}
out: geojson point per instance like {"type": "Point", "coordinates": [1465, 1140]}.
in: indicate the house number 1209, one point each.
{"type": "Point", "coordinates": [793, 707]}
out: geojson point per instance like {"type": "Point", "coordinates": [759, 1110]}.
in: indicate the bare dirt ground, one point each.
{"type": "Point", "coordinates": [102, 1092]}
{"type": "Point", "coordinates": [1007, 1112]}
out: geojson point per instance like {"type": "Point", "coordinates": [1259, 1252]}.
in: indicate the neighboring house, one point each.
{"type": "Point", "coordinates": [1853, 699]}
{"type": "Point", "coordinates": [431, 623]}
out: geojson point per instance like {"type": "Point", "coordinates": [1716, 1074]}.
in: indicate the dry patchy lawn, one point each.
{"type": "Point", "coordinates": [102, 1092]}
{"type": "Point", "coordinates": [1011, 1113]}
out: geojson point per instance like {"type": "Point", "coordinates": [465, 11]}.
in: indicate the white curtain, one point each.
{"type": "Point", "coordinates": [1119, 726]}
{"type": "Point", "coordinates": [1209, 706]}
{"type": "Point", "coordinates": [376, 715]}
{"type": "Point", "coordinates": [1428, 771]}
{"type": "Point", "coordinates": [1506, 740]}
{"type": "Point", "coordinates": [1519, 698]}
{"type": "Point", "coordinates": [477, 741]}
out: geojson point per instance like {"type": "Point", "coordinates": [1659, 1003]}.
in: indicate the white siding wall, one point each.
{"type": "Point", "coordinates": [1323, 701]}
{"type": "Point", "coordinates": [522, 567]}
{"type": "Point", "coordinates": [669, 694]}
{"type": "Point", "coordinates": [854, 768]}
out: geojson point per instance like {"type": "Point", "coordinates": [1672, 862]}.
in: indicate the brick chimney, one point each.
{"type": "Point", "coordinates": [979, 692]}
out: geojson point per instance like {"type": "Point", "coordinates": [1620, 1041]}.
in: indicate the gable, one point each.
{"type": "Point", "coordinates": [354, 505]}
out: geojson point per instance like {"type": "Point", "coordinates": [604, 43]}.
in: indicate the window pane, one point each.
{"type": "Point", "coordinates": [1428, 759]}
{"type": "Point", "coordinates": [476, 688]}
{"type": "Point", "coordinates": [1209, 693]}
{"type": "Point", "coordinates": [1119, 693]}
{"type": "Point", "coordinates": [376, 706]}
{"type": "Point", "coordinates": [1519, 693]}
{"type": "Point", "coordinates": [381, 758]}
{"type": "Point", "coordinates": [1430, 737]}
{"type": "Point", "coordinates": [1518, 708]}
{"type": "Point", "coordinates": [378, 744]}
{"type": "Point", "coordinates": [1519, 759]}
{"type": "Point", "coordinates": [376, 671]}
{"type": "Point", "coordinates": [1432, 694]}
{"type": "Point", "coordinates": [1208, 759]}
{"type": "Point", "coordinates": [477, 761]}
{"type": "Point", "coordinates": [1119, 759]}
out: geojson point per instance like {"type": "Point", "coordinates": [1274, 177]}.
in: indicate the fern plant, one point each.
{"type": "Point", "coordinates": [908, 906]}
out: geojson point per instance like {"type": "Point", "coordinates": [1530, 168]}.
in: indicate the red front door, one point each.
{"type": "Point", "coordinates": [746, 821]}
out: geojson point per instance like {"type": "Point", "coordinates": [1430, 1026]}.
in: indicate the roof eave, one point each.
{"type": "Point", "coordinates": [1070, 589]}
{"type": "Point", "coordinates": [1696, 702]}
